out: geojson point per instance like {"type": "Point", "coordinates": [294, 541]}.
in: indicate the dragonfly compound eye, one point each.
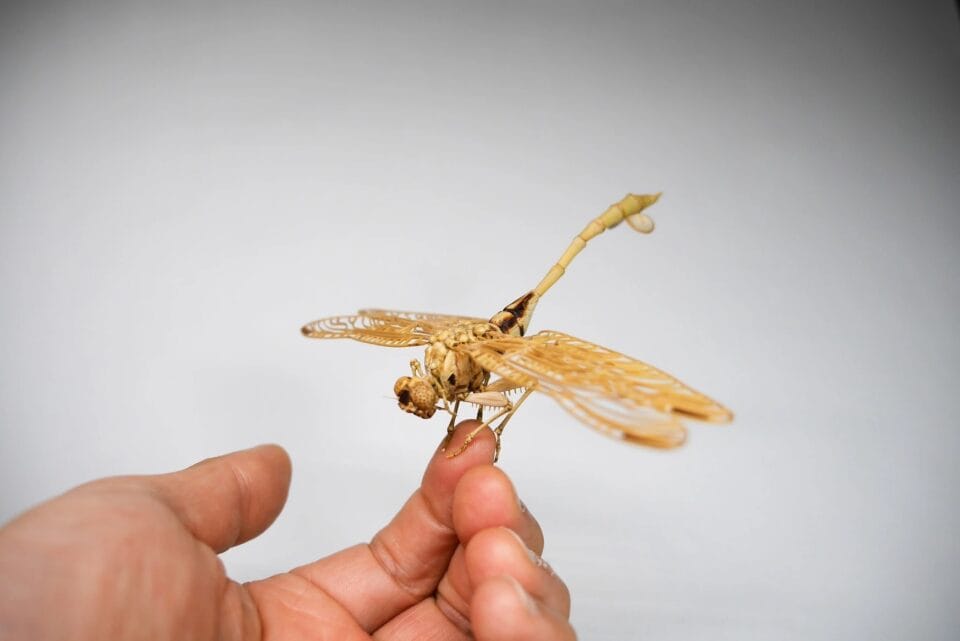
{"type": "Point", "coordinates": [416, 395]}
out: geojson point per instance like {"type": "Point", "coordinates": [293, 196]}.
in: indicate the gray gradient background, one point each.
{"type": "Point", "coordinates": [181, 186]}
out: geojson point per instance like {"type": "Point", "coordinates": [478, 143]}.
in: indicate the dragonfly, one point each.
{"type": "Point", "coordinates": [617, 395]}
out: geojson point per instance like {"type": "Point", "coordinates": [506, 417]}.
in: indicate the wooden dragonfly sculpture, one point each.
{"type": "Point", "coordinates": [615, 394]}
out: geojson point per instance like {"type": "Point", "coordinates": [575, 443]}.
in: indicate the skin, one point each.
{"type": "Point", "coordinates": [136, 558]}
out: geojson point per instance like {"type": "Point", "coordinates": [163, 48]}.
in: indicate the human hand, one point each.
{"type": "Point", "coordinates": [136, 558]}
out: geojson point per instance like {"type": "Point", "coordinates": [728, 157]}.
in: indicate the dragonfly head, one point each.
{"type": "Point", "coordinates": [416, 395]}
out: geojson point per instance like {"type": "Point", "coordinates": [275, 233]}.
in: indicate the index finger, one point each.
{"type": "Point", "coordinates": [406, 559]}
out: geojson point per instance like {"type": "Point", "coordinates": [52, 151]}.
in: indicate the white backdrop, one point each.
{"type": "Point", "coordinates": [182, 187]}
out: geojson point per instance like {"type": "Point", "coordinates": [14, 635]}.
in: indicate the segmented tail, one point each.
{"type": "Point", "coordinates": [515, 317]}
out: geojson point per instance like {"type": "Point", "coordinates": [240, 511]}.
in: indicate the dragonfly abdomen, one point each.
{"type": "Point", "coordinates": [515, 317]}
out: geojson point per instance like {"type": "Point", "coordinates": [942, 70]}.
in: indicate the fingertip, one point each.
{"type": "Point", "coordinates": [484, 497]}
{"type": "Point", "coordinates": [503, 594]}
{"type": "Point", "coordinates": [269, 457]}
{"type": "Point", "coordinates": [276, 459]}
{"type": "Point", "coordinates": [481, 446]}
{"type": "Point", "coordinates": [496, 548]}
{"type": "Point", "coordinates": [264, 472]}
{"type": "Point", "coordinates": [443, 472]}
{"type": "Point", "coordinates": [500, 551]}
{"type": "Point", "coordinates": [502, 610]}
{"type": "Point", "coordinates": [229, 499]}
{"type": "Point", "coordinates": [266, 469]}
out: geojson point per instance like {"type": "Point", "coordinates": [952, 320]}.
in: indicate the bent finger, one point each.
{"type": "Point", "coordinates": [405, 560]}
{"type": "Point", "coordinates": [501, 552]}
{"type": "Point", "coordinates": [485, 497]}
{"type": "Point", "coordinates": [228, 499]}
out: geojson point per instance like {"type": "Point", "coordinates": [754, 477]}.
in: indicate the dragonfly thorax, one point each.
{"type": "Point", "coordinates": [454, 373]}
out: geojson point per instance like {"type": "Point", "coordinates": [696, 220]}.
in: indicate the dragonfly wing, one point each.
{"type": "Point", "coordinates": [608, 391]}
{"type": "Point", "coordinates": [436, 322]}
{"type": "Point", "coordinates": [621, 420]}
{"type": "Point", "coordinates": [604, 369]}
{"type": "Point", "coordinates": [383, 327]}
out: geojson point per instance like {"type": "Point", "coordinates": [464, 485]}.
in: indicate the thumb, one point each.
{"type": "Point", "coordinates": [228, 499]}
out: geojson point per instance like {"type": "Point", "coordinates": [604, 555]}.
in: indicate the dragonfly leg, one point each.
{"type": "Point", "coordinates": [499, 429]}
{"type": "Point", "coordinates": [453, 421]}
{"type": "Point", "coordinates": [415, 369]}
{"type": "Point", "coordinates": [486, 380]}
{"type": "Point", "coordinates": [505, 413]}
{"type": "Point", "coordinates": [472, 435]}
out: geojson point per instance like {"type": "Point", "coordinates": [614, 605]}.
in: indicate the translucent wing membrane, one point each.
{"type": "Point", "coordinates": [608, 391]}
{"type": "Point", "coordinates": [384, 327]}
{"type": "Point", "coordinates": [436, 321]}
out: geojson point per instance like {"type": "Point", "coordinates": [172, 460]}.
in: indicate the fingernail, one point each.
{"type": "Point", "coordinates": [528, 603]}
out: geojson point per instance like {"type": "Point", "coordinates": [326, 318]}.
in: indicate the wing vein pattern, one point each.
{"type": "Point", "coordinates": [388, 328]}
{"type": "Point", "coordinates": [613, 393]}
